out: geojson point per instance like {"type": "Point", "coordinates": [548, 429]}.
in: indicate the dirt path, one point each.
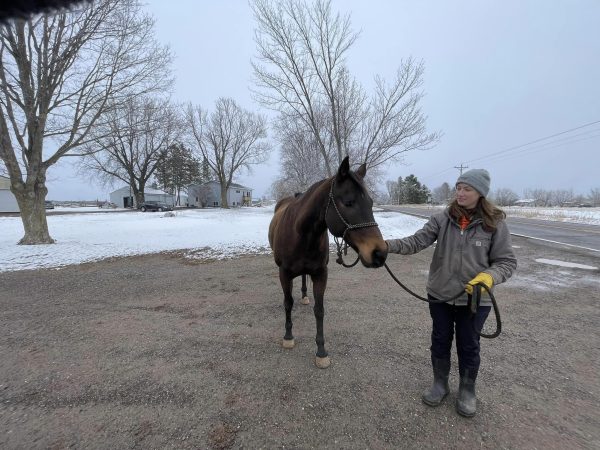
{"type": "Point", "coordinates": [159, 352]}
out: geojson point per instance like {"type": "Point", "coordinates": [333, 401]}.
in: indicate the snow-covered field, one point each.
{"type": "Point", "coordinates": [580, 215]}
{"type": "Point", "coordinates": [208, 233]}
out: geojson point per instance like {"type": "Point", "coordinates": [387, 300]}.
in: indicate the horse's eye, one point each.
{"type": "Point", "coordinates": [348, 203]}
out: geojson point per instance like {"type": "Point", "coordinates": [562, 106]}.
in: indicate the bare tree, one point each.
{"type": "Point", "coordinates": [59, 74]}
{"type": "Point", "coordinates": [229, 139]}
{"type": "Point", "coordinates": [301, 73]}
{"type": "Point", "coordinates": [505, 197]}
{"type": "Point", "coordinates": [301, 164]}
{"type": "Point", "coordinates": [542, 197]}
{"type": "Point", "coordinates": [132, 142]}
{"type": "Point", "coordinates": [562, 197]}
{"type": "Point", "coordinates": [442, 194]}
{"type": "Point", "coordinates": [594, 196]}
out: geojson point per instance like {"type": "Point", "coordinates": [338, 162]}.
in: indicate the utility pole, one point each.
{"type": "Point", "coordinates": [461, 167]}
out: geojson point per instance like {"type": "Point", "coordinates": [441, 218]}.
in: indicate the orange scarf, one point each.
{"type": "Point", "coordinates": [464, 222]}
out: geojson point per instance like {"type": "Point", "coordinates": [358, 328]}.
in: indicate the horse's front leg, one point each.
{"type": "Point", "coordinates": [319, 284]}
{"type": "Point", "coordinates": [304, 300]}
{"type": "Point", "coordinates": [286, 281]}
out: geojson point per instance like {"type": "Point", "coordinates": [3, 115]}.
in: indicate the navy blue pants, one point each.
{"type": "Point", "coordinates": [448, 318]}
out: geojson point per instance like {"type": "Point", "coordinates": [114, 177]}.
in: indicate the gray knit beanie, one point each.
{"type": "Point", "coordinates": [478, 179]}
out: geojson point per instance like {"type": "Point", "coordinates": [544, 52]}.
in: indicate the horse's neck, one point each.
{"type": "Point", "coordinates": [312, 207]}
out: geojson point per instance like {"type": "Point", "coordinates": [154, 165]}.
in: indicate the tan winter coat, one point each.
{"type": "Point", "coordinates": [460, 255]}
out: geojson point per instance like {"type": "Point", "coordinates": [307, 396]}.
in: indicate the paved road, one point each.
{"type": "Point", "coordinates": [575, 234]}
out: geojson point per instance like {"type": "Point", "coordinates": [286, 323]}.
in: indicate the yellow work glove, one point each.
{"type": "Point", "coordinates": [481, 278]}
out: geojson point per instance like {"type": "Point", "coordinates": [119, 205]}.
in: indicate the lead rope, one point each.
{"type": "Point", "coordinates": [472, 303]}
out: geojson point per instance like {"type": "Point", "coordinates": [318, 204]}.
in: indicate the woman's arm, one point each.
{"type": "Point", "coordinates": [503, 261]}
{"type": "Point", "coordinates": [418, 241]}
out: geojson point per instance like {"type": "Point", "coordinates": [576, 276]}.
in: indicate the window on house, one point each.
{"type": "Point", "coordinates": [237, 191]}
{"type": "Point", "coordinates": [215, 203]}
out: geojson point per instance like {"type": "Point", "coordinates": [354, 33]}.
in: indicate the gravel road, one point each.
{"type": "Point", "coordinates": [163, 352]}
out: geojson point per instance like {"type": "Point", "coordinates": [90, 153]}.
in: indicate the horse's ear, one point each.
{"type": "Point", "coordinates": [344, 169]}
{"type": "Point", "coordinates": [362, 171]}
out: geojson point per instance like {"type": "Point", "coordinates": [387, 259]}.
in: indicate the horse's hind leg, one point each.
{"type": "Point", "coordinates": [304, 300]}
{"type": "Point", "coordinates": [288, 302]}
{"type": "Point", "coordinates": [322, 360]}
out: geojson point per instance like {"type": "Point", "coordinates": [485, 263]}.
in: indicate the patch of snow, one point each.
{"type": "Point", "coordinates": [199, 233]}
{"type": "Point", "coordinates": [555, 262]}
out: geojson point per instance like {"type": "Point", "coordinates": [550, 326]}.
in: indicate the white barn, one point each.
{"type": "Point", "coordinates": [123, 197]}
{"type": "Point", "coordinates": [209, 194]}
{"type": "Point", "coordinates": [8, 202]}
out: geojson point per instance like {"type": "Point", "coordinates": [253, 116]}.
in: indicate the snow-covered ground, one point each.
{"type": "Point", "coordinates": [208, 233]}
{"type": "Point", "coordinates": [580, 215]}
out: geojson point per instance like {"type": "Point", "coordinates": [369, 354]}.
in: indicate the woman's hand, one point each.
{"type": "Point", "coordinates": [481, 278]}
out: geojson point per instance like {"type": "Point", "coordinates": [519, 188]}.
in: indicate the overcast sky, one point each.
{"type": "Point", "coordinates": [498, 74]}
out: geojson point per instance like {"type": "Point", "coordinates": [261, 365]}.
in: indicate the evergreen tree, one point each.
{"type": "Point", "coordinates": [415, 192]}
{"type": "Point", "coordinates": [177, 169]}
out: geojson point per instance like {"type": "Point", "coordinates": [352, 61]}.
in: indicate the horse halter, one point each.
{"type": "Point", "coordinates": [346, 224]}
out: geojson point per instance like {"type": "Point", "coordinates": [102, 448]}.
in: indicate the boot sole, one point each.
{"type": "Point", "coordinates": [430, 403]}
{"type": "Point", "coordinates": [465, 414]}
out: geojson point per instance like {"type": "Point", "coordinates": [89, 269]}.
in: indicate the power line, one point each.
{"type": "Point", "coordinates": [510, 149]}
{"type": "Point", "coordinates": [536, 141]}
{"type": "Point", "coordinates": [547, 146]}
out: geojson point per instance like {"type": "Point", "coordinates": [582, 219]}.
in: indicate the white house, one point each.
{"type": "Point", "coordinates": [8, 202]}
{"type": "Point", "coordinates": [123, 197]}
{"type": "Point", "coordinates": [209, 194]}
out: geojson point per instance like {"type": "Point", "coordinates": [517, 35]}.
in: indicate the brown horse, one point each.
{"type": "Point", "coordinates": [300, 242]}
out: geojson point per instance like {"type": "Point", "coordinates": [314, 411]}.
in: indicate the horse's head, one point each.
{"type": "Point", "coordinates": [350, 215]}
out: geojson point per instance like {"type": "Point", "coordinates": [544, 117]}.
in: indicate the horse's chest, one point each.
{"type": "Point", "coordinates": [307, 257]}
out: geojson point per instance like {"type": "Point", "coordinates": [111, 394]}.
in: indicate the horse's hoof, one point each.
{"type": "Point", "coordinates": [288, 343]}
{"type": "Point", "coordinates": [305, 301]}
{"type": "Point", "coordinates": [322, 363]}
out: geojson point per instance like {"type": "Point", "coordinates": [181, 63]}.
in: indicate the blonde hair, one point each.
{"type": "Point", "coordinates": [485, 209]}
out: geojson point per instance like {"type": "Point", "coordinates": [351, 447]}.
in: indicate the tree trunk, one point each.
{"type": "Point", "coordinates": [224, 203]}
{"type": "Point", "coordinates": [31, 200]}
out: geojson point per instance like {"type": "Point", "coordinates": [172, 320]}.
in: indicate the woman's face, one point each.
{"type": "Point", "coordinates": [466, 196]}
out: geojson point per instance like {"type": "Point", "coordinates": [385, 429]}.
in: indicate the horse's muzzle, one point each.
{"type": "Point", "coordinates": [378, 257]}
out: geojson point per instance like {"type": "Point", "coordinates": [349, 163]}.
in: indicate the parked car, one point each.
{"type": "Point", "coordinates": [48, 204]}
{"type": "Point", "coordinates": [154, 206]}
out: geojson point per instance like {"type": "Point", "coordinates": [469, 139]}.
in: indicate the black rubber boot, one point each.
{"type": "Point", "coordinates": [440, 389]}
{"type": "Point", "coordinates": [466, 403]}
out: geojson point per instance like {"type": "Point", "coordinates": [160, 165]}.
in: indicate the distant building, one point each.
{"type": "Point", "coordinates": [209, 194]}
{"type": "Point", "coordinates": [123, 197]}
{"type": "Point", "coordinates": [526, 202]}
{"type": "Point", "coordinates": [8, 202]}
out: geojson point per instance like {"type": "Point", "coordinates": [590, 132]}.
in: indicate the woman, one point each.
{"type": "Point", "coordinates": [473, 246]}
